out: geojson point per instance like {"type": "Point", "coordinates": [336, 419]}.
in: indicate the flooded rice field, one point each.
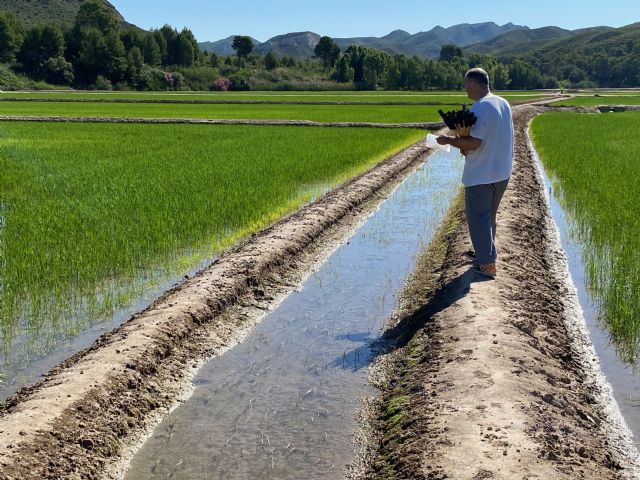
{"type": "Point", "coordinates": [284, 403]}
{"type": "Point", "coordinates": [623, 377]}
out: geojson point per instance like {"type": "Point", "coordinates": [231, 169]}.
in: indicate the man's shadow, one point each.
{"type": "Point", "coordinates": [406, 328]}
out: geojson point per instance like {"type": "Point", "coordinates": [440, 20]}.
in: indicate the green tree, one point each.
{"type": "Point", "coordinates": [214, 60]}
{"type": "Point", "coordinates": [169, 40]}
{"type": "Point", "coordinates": [357, 54]}
{"type": "Point", "coordinates": [161, 41]}
{"type": "Point", "coordinates": [116, 64]}
{"type": "Point", "coordinates": [500, 77]}
{"type": "Point", "coordinates": [130, 39]}
{"type": "Point", "coordinates": [151, 50]}
{"type": "Point", "coordinates": [58, 71]}
{"type": "Point", "coordinates": [95, 14]}
{"type": "Point", "coordinates": [375, 65]}
{"type": "Point", "coordinates": [135, 62]}
{"type": "Point", "coordinates": [450, 51]}
{"type": "Point", "coordinates": [243, 45]}
{"type": "Point", "coordinates": [186, 51]}
{"type": "Point", "coordinates": [415, 73]}
{"type": "Point", "coordinates": [102, 55]}
{"type": "Point", "coordinates": [40, 44]}
{"type": "Point", "coordinates": [523, 75]}
{"type": "Point", "coordinates": [11, 36]}
{"type": "Point", "coordinates": [271, 61]}
{"type": "Point", "coordinates": [345, 72]}
{"type": "Point", "coordinates": [92, 56]}
{"type": "Point", "coordinates": [328, 51]}
{"type": "Point", "coordinates": [289, 61]}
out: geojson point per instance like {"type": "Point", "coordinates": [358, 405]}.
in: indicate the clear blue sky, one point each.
{"type": "Point", "coordinates": [215, 19]}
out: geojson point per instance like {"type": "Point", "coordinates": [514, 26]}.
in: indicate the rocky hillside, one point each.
{"type": "Point", "coordinates": [32, 12]}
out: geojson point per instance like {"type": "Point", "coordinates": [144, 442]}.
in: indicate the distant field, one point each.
{"type": "Point", "coordinates": [90, 214]}
{"type": "Point", "coordinates": [604, 99]}
{"type": "Point", "coordinates": [593, 163]}
{"type": "Point", "coordinates": [404, 97]}
{"type": "Point", "coordinates": [318, 113]}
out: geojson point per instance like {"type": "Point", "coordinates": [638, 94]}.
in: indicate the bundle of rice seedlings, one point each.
{"type": "Point", "coordinates": [459, 121]}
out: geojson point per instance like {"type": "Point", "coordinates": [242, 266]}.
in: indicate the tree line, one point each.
{"type": "Point", "coordinates": [97, 52]}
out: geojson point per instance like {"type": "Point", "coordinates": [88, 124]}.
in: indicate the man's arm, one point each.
{"type": "Point", "coordinates": [465, 144]}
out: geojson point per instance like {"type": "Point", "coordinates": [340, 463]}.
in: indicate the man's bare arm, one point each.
{"type": "Point", "coordinates": [466, 144]}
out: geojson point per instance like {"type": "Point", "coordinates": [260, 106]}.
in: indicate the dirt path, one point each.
{"type": "Point", "coordinates": [495, 379]}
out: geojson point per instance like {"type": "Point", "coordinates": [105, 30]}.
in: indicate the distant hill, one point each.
{"type": "Point", "coordinates": [33, 12]}
{"type": "Point", "coordinates": [423, 44]}
{"type": "Point", "coordinates": [519, 41]}
{"type": "Point", "coordinates": [609, 41]}
{"type": "Point", "coordinates": [299, 44]}
{"type": "Point", "coordinates": [552, 42]}
{"type": "Point", "coordinates": [222, 47]}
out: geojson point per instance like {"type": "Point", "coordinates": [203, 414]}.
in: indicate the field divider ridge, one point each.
{"type": "Point", "coordinates": [224, 102]}
{"type": "Point", "coordinates": [206, 121]}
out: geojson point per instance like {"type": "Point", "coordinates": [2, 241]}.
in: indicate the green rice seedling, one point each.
{"type": "Point", "coordinates": [97, 216]}
{"type": "Point", "coordinates": [593, 164]}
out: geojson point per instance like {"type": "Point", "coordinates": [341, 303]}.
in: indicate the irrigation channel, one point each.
{"type": "Point", "coordinates": [284, 403]}
{"type": "Point", "coordinates": [622, 377]}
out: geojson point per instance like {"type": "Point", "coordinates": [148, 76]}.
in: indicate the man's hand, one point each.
{"type": "Point", "coordinates": [465, 144]}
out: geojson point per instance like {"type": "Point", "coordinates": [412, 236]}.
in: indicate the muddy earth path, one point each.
{"type": "Point", "coordinates": [495, 379]}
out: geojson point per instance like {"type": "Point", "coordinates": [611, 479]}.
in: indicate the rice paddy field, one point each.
{"type": "Point", "coordinates": [593, 164]}
{"type": "Point", "coordinates": [94, 215]}
{"type": "Point", "coordinates": [591, 100]}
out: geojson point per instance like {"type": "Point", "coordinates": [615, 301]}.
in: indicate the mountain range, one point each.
{"type": "Point", "coordinates": [424, 44]}
{"type": "Point", "coordinates": [504, 41]}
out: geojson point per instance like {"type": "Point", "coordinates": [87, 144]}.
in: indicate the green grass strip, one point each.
{"type": "Point", "coordinates": [593, 163]}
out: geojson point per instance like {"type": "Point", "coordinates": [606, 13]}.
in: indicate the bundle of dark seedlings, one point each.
{"type": "Point", "coordinates": [459, 121]}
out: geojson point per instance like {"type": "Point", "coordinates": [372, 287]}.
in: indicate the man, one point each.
{"type": "Point", "coordinates": [488, 163]}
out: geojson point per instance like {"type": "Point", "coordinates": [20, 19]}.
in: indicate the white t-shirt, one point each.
{"type": "Point", "coordinates": [493, 161]}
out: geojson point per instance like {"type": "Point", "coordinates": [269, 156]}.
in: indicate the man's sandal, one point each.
{"type": "Point", "coordinates": [487, 270]}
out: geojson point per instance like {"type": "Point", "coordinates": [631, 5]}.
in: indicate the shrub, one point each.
{"type": "Point", "coordinates": [221, 85]}
{"type": "Point", "coordinates": [102, 83]}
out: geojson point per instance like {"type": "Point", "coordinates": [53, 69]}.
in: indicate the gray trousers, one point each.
{"type": "Point", "coordinates": [481, 206]}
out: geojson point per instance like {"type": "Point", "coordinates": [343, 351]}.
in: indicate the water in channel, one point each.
{"type": "Point", "coordinates": [283, 404]}
{"type": "Point", "coordinates": [623, 377]}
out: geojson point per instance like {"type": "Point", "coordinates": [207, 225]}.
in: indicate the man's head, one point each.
{"type": "Point", "coordinates": [476, 83]}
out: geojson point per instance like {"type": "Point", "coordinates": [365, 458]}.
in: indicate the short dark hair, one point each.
{"type": "Point", "coordinates": [478, 75]}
